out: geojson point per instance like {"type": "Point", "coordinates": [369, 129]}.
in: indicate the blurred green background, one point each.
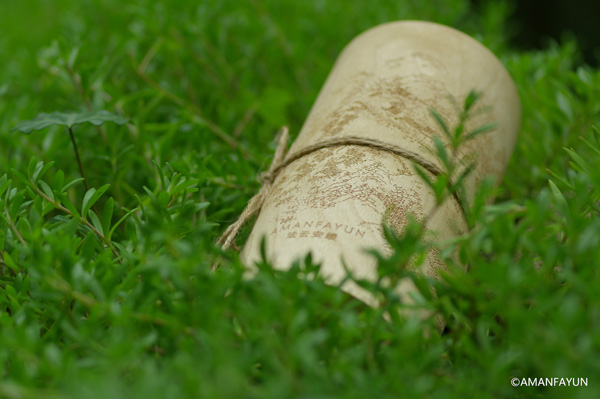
{"type": "Point", "coordinates": [206, 85]}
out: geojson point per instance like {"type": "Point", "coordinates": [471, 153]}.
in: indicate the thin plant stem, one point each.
{"type": "Point", "coordinates": [85, 180]}
{"type": "Point", "coordinates": [245, 120]}
{"type": "Point", "coordinates": [14, 228]}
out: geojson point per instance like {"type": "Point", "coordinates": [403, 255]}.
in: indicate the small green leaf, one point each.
{"type": "Point", "coordinates": [442, 154]}
{"type": "Point", "coordinates": [112, 230]}
{"type": "Point", "coordinates": [422, 284]}
{"type": "Point", "coordinates": [583, 164]}
{"type": "Point", "coordinates": [91, 197]}
{"type": "Point", "coordinates": [16, 202]}
{"type": "Point", "coordinates": [183, 185]}
{"type": "Point", "coordinates": [458, 132]}
{"type": "Point", "coordinates": [86, 199]}
{"type": "Point", "coordinates": [461, 178]}
{"type": "Point", "coordinates": [480, 130]}
{"type": "Point", "coordinates": [175, 179]}
{"type": "Point", "coordinates": [67, 203]}
{"type": "Point", "coordinates": [96, 222]}
{"type": "Point", "coordinates": [48, 207]}
{"type": "Point", "coordinates": [590, 145]}
{"type": "Point", "coordinates": [471, 99]}
{"type": "Point", "coordinates": [107, 213]}
{"type": "Point", "coordinates": [10, 263]}
{"type": "Point", "coordinates": [561, 179]}
{"type": "Point", "coordinates": [563, 105]}
{"type": "Point", "coordinates": [59, 180]}
{"type": "Point", "coordinates": [44, 120]}
{"type": "Point", "coordinates": [421, 172]}
{"type": "Point", "coordinates": [558, 194]}
{"type": "Point", "coordinates": [161, 174]}
{"type": "Point", "coordinates": [440, 120]}
{"type": "Point", "coordinates": [41, 170]}
{"type": "Point", "coordinates": [21, 177]}
{"type": "Point", "coordinates": [201, 205]}
{"type": "Point", "coordinates": [33, 165]}
{"type": "Point", "coordinates": [439, 187]}
{"type": "Point", "coordinates": [149, 192]}
{"type": "Point", "coordinates": [71, 183]}
{"type": "Point", "coordinates": [4, 184]}
{"type": "Point", "coordinates": [163, 199]}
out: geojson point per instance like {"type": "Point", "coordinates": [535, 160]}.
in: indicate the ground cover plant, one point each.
{"type": "Point", "coordinates": [107, 291]}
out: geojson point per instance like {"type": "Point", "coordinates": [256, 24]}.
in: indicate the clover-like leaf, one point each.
{"type": "Point", "coordinates": [44, 120]}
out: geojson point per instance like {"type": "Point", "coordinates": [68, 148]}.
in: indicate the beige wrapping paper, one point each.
{"type": "Point", "coordinates": [332, 202]}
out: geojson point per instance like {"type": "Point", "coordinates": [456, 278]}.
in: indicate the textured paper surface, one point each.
{"type": "Point", "coordinates": [332, 202]}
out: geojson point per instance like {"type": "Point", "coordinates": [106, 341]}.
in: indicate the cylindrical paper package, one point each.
{"type": "Point", "coordinates": [332, 201]}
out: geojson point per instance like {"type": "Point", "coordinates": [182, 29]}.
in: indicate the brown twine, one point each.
{"type": "Point", "coordinates": [255, 204]}
{"type": "Point", "coordinates": [282, 159]}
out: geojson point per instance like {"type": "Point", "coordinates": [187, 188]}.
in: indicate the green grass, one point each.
{"type": "Point", "coordinates": [205, 86]}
